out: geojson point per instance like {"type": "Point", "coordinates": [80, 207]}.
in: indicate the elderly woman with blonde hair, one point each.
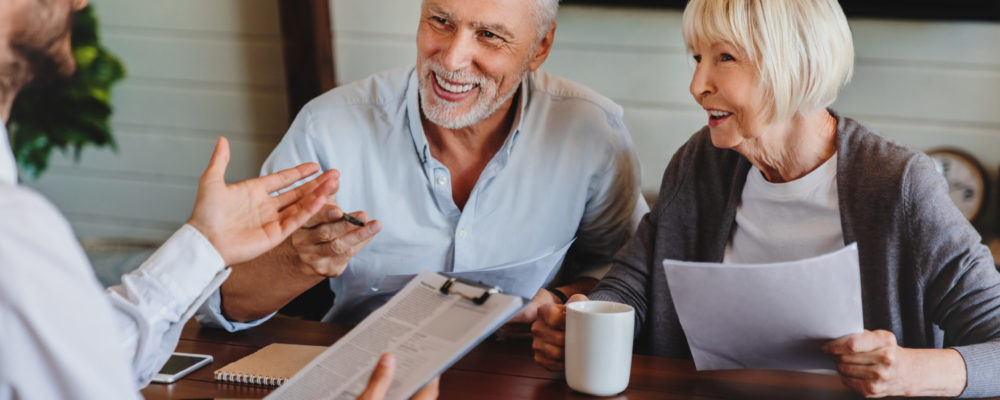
{"type": "Point", "coordinates": [777, 176]}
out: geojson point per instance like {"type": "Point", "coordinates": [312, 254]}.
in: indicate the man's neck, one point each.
{"type": "Point", "coordinates": [467, 151]}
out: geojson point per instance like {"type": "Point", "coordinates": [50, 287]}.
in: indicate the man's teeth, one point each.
{"type": "Point", "coordinates": [453, 88]}
{"type": "Point", "coordinates": [718, 114]}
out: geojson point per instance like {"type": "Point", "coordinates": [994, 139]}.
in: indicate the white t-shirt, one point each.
{"type": "Point", "coordinates": [787, 221]}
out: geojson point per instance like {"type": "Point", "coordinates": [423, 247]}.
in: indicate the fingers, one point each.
{"type": "Point", "coordinates": [429, 392]}
{"type": "Point", "coordinates": [349, 243]}
{"type": "Point", "coordinates": [553, 315]}
{"type": "Point", "coordinates": [292, 217]}
{"type": "Point", "coordinates": [856, 371]}
{"type": "Point", "coordinates": [329, 214]}
{"type": "Point", "coordinates": [335, 229]}
{"type": "Point", "coordinates": [863, 342]}
{"type": "Point", "coordinates": [883, 356]}
{"type": "Point", "coordinates": [867, 388]}
{"type": "Point", "coordinates": [575, 298]}
{"type": "Point", "coordinates": [549, 336]}
{"type": "Point", "coordinates": [381, 378]}
{"type": "Point", "coordinates": [305, 189]}
{"type": "Point", "coordinates": [282, 179]}
{"type": "Point", "coordinates": [216, 170]}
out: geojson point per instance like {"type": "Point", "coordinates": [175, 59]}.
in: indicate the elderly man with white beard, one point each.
{"type": "Point", "coordinates": [471, 159]}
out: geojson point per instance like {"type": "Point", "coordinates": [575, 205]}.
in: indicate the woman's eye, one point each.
{"type": "Point", "coordinates": [726, 57]}
{"type": "Point", "coordinates": [697, 59]}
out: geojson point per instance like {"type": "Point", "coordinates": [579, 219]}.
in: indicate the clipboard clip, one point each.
{"type": "Point", "coordinates": [446, 289]}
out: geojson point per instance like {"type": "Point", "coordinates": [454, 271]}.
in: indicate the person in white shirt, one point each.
{"type": "Point", "coordinates": [60, 337]}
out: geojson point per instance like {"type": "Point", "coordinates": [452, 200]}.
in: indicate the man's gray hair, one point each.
{"type": "Point", "coordinates": [545, 15]}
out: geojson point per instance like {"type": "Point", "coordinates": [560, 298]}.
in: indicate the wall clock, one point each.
{"type": "Point", "coordinates": [967, 182]}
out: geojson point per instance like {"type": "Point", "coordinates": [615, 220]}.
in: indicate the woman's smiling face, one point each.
{"type": "Point", "coordinates": [727, 85]}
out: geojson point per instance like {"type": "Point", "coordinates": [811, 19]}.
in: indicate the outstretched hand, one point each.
{"type": "Point", "coordinates": [242, 220]}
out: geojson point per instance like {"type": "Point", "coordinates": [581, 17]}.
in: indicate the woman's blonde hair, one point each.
{"type": "Point", "coordinates": [802, 48]}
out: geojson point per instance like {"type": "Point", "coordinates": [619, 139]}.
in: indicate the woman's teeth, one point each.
{"type": "Point", "coordinates": [719, 114]}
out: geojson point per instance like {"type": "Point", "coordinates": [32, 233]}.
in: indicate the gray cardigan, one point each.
{"type": "Point", "coordinates": [925, 276]}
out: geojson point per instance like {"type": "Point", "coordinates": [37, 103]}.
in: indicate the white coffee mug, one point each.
{"type": "Point", "coordinates": [599, 346]}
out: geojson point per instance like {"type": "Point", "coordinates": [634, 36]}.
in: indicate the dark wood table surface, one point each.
{"type": "Point", "coordinates": [495, 370]}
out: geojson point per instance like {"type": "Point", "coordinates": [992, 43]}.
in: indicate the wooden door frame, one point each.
{"type": "Point", "coordinates": [307, 44]}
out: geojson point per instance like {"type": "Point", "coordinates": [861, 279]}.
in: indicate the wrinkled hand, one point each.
{"type": "Point", "coordinates": [520, 326]}
{"type": "Point", "coordinates": [872, 363]}
{"type": "Point", "coordinates": [381, 379]}
{"type": "Point", "coordinates": [549, 332]}
{"type": "Point", "coordinates": [242, 220]}
{"type": "Point", "coordinates": [326, 243]}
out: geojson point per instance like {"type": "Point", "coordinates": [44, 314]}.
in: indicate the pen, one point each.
{"type": "Point", "coordinates": [355, 221]}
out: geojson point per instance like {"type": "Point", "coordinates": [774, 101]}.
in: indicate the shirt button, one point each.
{"type": "Point", "coordinates": [461, 234]}
{"type": "Point", "coordinates": [441, 180]}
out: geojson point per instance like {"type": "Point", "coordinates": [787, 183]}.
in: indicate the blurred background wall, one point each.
{"type": "Point", "coordinates": [196, 70]}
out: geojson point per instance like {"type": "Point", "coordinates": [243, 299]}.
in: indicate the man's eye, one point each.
{"type": "Point", "coordinates": [489, 35]}
{"type": "Point", "coordinates": [439, 20]}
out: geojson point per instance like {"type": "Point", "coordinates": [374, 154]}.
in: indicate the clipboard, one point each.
{"type": "Point", "coordinates": [429, 325]}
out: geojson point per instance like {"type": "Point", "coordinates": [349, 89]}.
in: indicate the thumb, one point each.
{"type": "Point", "coordinates": [576, 297]}
{"type": "Point", "coordinates": [217, 164]}
{"type": "Point", "coordinates": [381, 378]}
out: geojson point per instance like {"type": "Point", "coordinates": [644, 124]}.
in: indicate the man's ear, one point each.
{"type": "Point", "coordinates": [542, 49]}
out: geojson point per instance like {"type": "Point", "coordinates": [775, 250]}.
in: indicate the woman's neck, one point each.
{"type": "Point", "coordinates": [794, 148]}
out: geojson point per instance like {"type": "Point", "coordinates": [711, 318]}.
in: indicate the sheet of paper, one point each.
{"type": "Point", "coordinates": [772, 316]}
{"type": "Point", "coordinates": [426, 331]}
{"type": "Point", "coordinates": [521, 278]}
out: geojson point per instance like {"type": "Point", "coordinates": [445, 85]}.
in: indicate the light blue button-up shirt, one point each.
{"type": "Point", "coordinates": [567, 169]}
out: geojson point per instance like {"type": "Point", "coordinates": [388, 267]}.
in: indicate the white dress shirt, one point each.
{"type": "Point", "coordinates": [60, 336]}
{"type": "Point", "coordinates": [567, 169]}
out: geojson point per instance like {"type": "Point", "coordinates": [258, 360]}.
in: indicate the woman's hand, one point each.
{"type": "Point", "coordinates": [549, 333]}
{"type": "Point", "coordinates": [243, 220]}
{"type": "Point", "coordinates": [872, 363]}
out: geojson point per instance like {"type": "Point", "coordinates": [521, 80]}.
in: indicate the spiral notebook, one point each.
{"type": "Point", "coordinates": [270, 366]}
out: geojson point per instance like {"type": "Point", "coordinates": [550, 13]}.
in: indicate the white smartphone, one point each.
{"type": "Point", "coordinates": [179, 365]}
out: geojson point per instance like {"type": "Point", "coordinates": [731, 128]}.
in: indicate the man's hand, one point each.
{"type": "Point", "coordinates": [549, 332]}
{"type": "Point", "coordinates": [872, 363]}
{"type": "Point", "coordinates": [381, 379]}
{"type": "Point", "coordinates": [520, 326]}
{"type": "Point", "coordinates": [327, 243]}
{"type": "Point", "coordinates": [242, 220]}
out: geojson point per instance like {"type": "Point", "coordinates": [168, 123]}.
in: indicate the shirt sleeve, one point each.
{"type": "Point", "coordinates": [613, 210]}
{"type": "Point", "coordinates": [152, 303]}
{"type": "Point", "coordinates": [962, 286]}
{"type": "Point", "coordinates": [56, 333]}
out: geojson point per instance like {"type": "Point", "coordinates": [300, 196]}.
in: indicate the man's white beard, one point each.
{"type": "Point", "coordinates": [442, 113]}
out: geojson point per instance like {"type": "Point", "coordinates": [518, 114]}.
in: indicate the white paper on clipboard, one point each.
{"type": "Point", "coordinates": [425, 329]}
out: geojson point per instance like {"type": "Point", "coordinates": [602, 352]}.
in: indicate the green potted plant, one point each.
{"type": "Point", "coordinates": [69, 116]}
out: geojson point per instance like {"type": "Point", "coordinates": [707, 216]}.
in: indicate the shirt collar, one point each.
{"type": "Point", "coordinates": [417, 129]}
{"type": "Point", "coordinates": [8, 167]}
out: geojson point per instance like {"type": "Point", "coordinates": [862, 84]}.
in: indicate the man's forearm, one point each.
{"type": "Point", "coordinates": [265, 284]}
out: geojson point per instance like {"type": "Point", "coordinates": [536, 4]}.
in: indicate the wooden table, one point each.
{"type": "Point", "coordinates": [495, 370]}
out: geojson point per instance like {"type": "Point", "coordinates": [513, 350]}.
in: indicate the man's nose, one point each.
{"type": "Point", "coordinates": [459, 53]}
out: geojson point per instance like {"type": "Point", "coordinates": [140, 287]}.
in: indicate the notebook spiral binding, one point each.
{"type": "Point", "coordinates": [249, 379]}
